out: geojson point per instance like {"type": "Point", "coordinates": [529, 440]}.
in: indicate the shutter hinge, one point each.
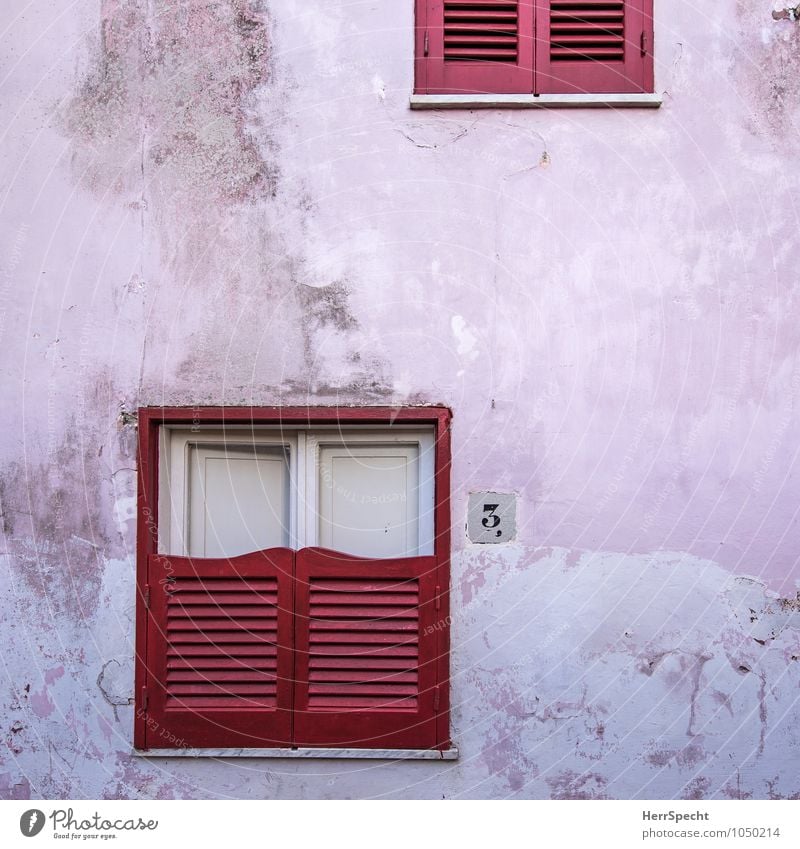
{"type": "Point", "coordinates": [145, 698]}
{"type": "Point", "coordinates": [147, 596]}
{"type": "Point", "coordinates": [643, 43]}
{"type": "Point", "coordinates": [425, 44]}
{"type": "Point", "coordinates": [436, 697]}
{"type": "Point", "coordinates": [438, 598]}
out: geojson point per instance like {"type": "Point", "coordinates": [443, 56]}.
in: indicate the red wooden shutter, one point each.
{"type": "Point", "coordinates": [474, 46]}
{"type": "Point", "coordinates": [219, 651]}
{"type": "Point", "coordinates": [366, 651]}
{"type": "Point", "coordinates": [594, 46]}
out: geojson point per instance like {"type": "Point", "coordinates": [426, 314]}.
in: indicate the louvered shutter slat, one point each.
{"type": "Point", "coordinates": [204, 612]}
{"type": "Point", "coordinates": [374, 662]}
{"type": "Point", "coordinates": [365, 651]}
{"type": "Point", "coordinates": [220, 651]}
{"type": "Point", "coordinates": [359, 675]}
{"type": "Point", "coordinates": [189, 675]}
{"type": "Point", "coordinates": [203, 662]}
{"type": "Point", "coordinates": [265, 624]}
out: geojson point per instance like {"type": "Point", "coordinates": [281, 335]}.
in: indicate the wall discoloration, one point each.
{"type": "Point", "coordinates": [556, 700]}
{"type": "Point", "coordinates": [249, 214]}
{"type": "Point", "coordinates": [327, 306]}
{"type": "Point", "coordinates": [60, 540]}
{"type": "Point", "coordinates": [570, 785]}
{"type": "Point", "coordinates": [696, 789]}
{"type": "Point", "coordinates": [165, 101]}
{"type": "Point", "coordinates": [10, 789]}
{"type": "Point", "coordinates": [181, 112]}
{"type": "Point", "coordinates": [766, 69]}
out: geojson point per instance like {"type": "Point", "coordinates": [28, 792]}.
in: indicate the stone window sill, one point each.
{"type": "Point", "coordinates": [380, 754]}
{"type": "Point", "coordinates": [531, 101]}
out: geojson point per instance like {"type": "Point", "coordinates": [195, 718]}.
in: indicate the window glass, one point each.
{"type": "Point", "coordinates": [369, 499]}
{"type": "Point", "coordinates": [238, 499]}
{"type": "Point", "coordinates": [362, 491]}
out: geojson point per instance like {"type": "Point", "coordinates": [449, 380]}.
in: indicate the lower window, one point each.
{"type": "Point", "coordinates": [293, 578]}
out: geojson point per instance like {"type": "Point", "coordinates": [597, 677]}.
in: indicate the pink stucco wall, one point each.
{"type": "Point", "coordinates": [231, 202]}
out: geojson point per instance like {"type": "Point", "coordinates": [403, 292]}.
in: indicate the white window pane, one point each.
{"type": "Point", "coordinates": [238, 499]}
{"type": "Point", "coordinates": [369, 499]}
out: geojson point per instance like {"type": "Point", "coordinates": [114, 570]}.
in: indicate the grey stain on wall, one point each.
{"type": "Point", "coordinates": [164, 100]}
{"type": "Point", "coordinates": [180, 114]}
{"type": "Point", "coordinates": [61, 526]}
{"type": "Point", "coordinates": [766, 69]}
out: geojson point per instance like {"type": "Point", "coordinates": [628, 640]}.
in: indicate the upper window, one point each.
{"type": "Point", "coordinates": [534, 46]}
{"type": "Point", "coordinates": [293, 569]}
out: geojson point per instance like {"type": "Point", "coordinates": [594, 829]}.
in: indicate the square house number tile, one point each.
{"type": "Point", "coordinates": [491, 517]}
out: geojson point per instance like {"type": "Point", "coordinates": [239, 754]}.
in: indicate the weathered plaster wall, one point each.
{"type": "Point", "coordinates": [229, 201]}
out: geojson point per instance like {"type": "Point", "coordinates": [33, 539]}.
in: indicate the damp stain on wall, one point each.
{"type": "Point", "coordinates": [766, 68]}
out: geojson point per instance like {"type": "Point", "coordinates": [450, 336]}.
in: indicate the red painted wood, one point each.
{"type": "Point", "coordinates": [156, 724]}
{"type": "Point", "coordinates": [442, 551]}
{"type": "Point", "coordinates": [221, 674]}
{"type": "Point", "coordinates": [438, 23]}
{"type": "Point", "coordinates": [360, 706]}
{"type": "Point", "coordinates": [293, 415]}
{"type": "Point", "coordinates": [576, 19]}
{"type": "Point", "coordinates": [420, 42]}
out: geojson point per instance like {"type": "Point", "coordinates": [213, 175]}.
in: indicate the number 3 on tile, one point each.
{"type": "Point", "coordinates": [491, 520]}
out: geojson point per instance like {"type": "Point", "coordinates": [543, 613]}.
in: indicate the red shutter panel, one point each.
{"type": "Point", "coordinates": [366, 651]}
{"type": "Point", "coordinates": [474, 46]}
{"type": "Point", "coordinates": [219, 651]}
{"type": "Point", "coordinates": [594, 46]}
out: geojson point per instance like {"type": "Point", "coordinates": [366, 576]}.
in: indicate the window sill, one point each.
{"type": "Point", "coordinates": [531, 101]}
{"type": "Point", "coordinates": [357, 754]}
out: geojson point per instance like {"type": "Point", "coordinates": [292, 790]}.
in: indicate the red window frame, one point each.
{"type": "Point", "coordinates": [150, 420]}
{"type": "Point", "coordinates": [533, 72]}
